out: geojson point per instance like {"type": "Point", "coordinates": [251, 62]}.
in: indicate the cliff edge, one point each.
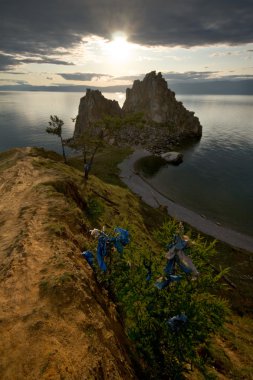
{"type": "Point", "coordinates": [56, 322]}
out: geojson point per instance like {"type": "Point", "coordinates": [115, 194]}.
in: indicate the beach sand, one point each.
{"type": "Point", "coordinates": [155, 199]}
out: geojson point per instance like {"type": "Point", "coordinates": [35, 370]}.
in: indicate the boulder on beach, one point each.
{"type": "Point", "coordinates": [173, 157]}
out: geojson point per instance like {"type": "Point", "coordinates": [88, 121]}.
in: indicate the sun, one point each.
{"type": "Point", "coordinates": [118, 49]}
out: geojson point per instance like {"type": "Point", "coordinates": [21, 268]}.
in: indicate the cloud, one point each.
{"type": "Point", "coordinates": [226, 53]}
{"type": "Point", "coordinates": [16, 82]}
{"type": "Point", "coordinates": [15, 72]}
{"type": "Point", "coordinates": [83, 76]}
{"type": "Point", "coordinates": [130, 77]}
{"type": "Point", "coordinates": [41, 59]}
{"type": "Point", "coordinates": [189, 75]}
{"type": "Point", "coordinates": [31, 27]}
{"type": "Point", "coordinates": [7, 62]}
{"type": "Point", "coordinates": [236, 77]}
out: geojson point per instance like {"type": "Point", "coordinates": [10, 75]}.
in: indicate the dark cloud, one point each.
{"type": "Point", "coordinates": [32, 27]}
{"type": "Point", "coordinates": [41, 59]}
{"type": "Point", "coordinates": [7, 62]}
{"type": "Point", "coordinates": [83, 76]}
{"type": "Point", "coordinates": [15, 72]}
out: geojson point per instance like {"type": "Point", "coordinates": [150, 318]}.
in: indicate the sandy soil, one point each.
{"type": "Point", "coordinates": [55, 321]}
{"type": "Point", "coordinates": [155, 199]}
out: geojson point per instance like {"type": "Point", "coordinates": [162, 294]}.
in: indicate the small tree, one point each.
{"type": "Point", "coordinates": [97, 135]}
{"type": "Point", "coordinates": [55, 127]}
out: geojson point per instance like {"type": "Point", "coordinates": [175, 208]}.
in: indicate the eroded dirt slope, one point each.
{"type": "Point", "coordinates": [55, 321]}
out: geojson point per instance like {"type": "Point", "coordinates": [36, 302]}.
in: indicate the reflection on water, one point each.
{"type": "Point", "coordinates": [150, 165]}
{"type": "Point", "coordinates": [24, 118]}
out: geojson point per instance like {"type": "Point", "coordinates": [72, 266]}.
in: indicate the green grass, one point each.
{"type": "Point", "coordinates": [105, 164]}
{"type": "Point", "coordinates": [231, 352]}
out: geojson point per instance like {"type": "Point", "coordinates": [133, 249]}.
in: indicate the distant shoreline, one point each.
{"type": "Point", "coordinates": [154, 198]}
{"type": "Point", "coordinates": [215, 87]}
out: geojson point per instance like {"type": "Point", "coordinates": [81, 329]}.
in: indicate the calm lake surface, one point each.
{"type": "Point", "coordinates": [216, 177]}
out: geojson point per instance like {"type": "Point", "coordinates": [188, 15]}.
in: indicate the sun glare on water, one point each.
{"type": "Point", "coordinates": [118, 50]}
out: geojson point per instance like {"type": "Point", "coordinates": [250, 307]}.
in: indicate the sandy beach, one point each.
{"type": "Point", "coordinates": [155, 199]}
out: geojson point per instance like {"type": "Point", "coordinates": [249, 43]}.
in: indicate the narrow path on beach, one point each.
{"type": "Point", "coordinates": [154, 198]}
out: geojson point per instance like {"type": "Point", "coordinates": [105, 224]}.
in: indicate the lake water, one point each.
{"type": "Point", "coordinates": [216, 177]}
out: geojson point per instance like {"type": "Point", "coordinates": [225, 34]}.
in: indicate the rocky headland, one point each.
{"type": "Point", "coordinates": [166, 121]}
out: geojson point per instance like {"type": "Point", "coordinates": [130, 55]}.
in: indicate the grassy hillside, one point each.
{"type": "Point", "coordinates": [57, 321]}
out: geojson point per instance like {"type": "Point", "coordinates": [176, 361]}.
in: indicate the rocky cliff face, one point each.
{"type": "Point", "coordinates": [160, 107]}
{"type": "Point", "coordinates": [167, 121]}
{"type": "Point", "coordinates": [93, 107]}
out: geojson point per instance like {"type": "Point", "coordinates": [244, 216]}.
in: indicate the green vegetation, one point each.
{"type": "Point", "coordinates": [96, 138]}
{"type": "Point", "coordinates": [105, 165]}
{"type": "Point", "coordinates": [146, 309]}
{"type": "Point", "coordinates": [230, 352]}
{"type": "Point", "coordinates": [95, 208]}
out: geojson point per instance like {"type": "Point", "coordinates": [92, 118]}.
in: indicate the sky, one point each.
{"type": "Point", "coordinates": [70, 45]}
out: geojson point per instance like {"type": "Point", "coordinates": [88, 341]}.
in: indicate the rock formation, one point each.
{"type": "Point", "coordinates": [161, 109]}
{"type": "Point", "coordinates": [167, 121]}
{"type": "Point", "coordinates": [93, 107]}
{"type": "Point", "coordinates": [173, 157]}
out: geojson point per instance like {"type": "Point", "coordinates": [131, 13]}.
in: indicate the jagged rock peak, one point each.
{"type": "Point", "coordinates": [93, 107]}
{"type": "Point", "coordinates": [157, 102]}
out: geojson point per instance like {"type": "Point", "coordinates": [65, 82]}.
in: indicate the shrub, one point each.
{"type": "Point", "coordinates": [147, 310]}
{"type": "Point", "coordinates": [95, 208]}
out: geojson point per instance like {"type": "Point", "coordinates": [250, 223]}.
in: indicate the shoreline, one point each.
{"type": "Point", "coordinates": [154, 198]}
